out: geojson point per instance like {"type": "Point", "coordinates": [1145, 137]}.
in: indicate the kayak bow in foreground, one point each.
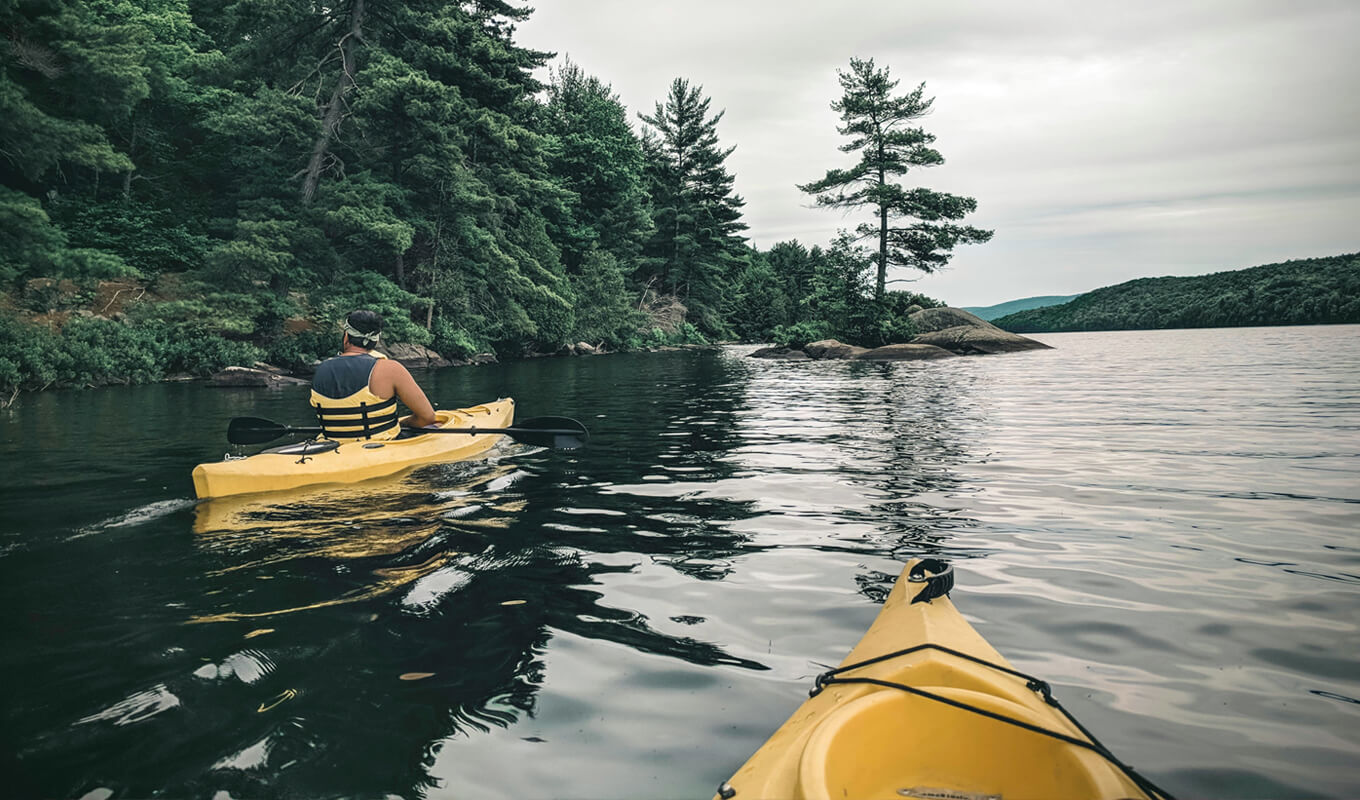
{"type": "Point", "coordinates": [924, 707]}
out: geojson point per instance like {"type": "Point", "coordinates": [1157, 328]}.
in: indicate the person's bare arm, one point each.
{"type": "Point", "coordinates": [390, 377]}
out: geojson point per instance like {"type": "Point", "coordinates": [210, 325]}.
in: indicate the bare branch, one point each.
{"type": "Point", "coordinates": [335, 109]}
{"type": "Point", "coordinates": [297, 87]}
{"type": "Point", "coordinates": [35, 57]}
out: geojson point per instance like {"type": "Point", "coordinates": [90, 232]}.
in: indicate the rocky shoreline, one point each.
{"type": "Point", "coordinates": [943, 333]}
{"type": "Point", "coordinates": [413, 356]}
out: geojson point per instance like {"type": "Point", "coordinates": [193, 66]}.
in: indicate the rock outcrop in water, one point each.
{"type": "Point", "coordinates": [832, 348]}
{"type": "Point", "coordinates": [251, 378]}
{"type": "Point", "coordinates": [944, 332]}
{"type": "Point", "coordinates": [415, 355]}
{"type": "Point", "coordinates": [781, 354]}
{"type": "Point", "coordinates": [904, 352]}
{"type": "Point", "coordinates": [965, 334]}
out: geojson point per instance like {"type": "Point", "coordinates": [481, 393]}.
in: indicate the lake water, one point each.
{"type": "Point", "coordinates": [1163, 524]}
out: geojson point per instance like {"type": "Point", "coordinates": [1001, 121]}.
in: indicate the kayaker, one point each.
{"type": "Point", "coordinates": [355, 393]}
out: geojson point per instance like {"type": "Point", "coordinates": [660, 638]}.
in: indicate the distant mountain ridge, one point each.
{"type": "Point", "coordinates": [1024, 304]}
{"type": "Point", "coordinates": [1300, 292]}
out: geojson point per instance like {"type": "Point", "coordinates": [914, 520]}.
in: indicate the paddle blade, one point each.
{"type": "Point", "coordinates": [563, 433]}
{"type": "Point", "coordinates": [253, 430]}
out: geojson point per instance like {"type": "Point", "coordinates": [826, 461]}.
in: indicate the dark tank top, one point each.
{"type": "Point", "coordinates": [342, 376]}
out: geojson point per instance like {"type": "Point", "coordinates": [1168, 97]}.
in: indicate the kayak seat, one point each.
{"type": "Point", "coordinates": [307, 448]}
{"type": "Point", "coordinates": [888, 745]}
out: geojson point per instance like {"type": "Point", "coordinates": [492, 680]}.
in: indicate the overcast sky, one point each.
{"type": "Point", "coordinates": [1103, 141]}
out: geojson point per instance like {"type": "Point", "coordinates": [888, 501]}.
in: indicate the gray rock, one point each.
{"type": "Point", "coordinates": [245, 377]}
{"type": "Point", "coordinates": [832, 348]}
{"type": "Point", "coordinates": [585, 349]}
{"type": "Point", "coordinates": [935, 319]}
{"type": "Point", "coordinates": [969, 340]}
{"type": "Point", "coordinates": [415, 355]}
{"type": "Point", "coordinates": [966, 334]}
{"type": "Point", "coordinates": [483, 358]}
{"type": "Point", "coordinates": [780, 354]}
{"type": "Point", "coordinates": [904, 352]}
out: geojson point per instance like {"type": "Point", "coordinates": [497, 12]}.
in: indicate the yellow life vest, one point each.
{"type": "Point", "coordinates": [362, 415]}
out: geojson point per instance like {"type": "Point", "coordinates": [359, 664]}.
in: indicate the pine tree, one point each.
{"type": "Point", "coordinates": [90, 94]}
{"type": "Point", "coordinates": [794, 265]}
{"type": "Point", "coordinates": [889, 145]}
{"type": "Point", "coordinates": [697, 245]}
{"type": "Point", "coordinates": [398, 139]}
{"type": "Point", "coordinates": [596, 157]}
{"type": "Point", "coordinates": [451, 117]}
{"type": "Point", "coordinates": [66, 69]}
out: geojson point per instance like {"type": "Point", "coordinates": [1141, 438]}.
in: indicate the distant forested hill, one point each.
{"type": "Point", "coordinates": [1302, 292]}
{"type": "Point", "coordinates": [1012, 306]}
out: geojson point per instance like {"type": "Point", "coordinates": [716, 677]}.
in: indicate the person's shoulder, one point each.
{"type": "Point", "coordinates": [389, 366]}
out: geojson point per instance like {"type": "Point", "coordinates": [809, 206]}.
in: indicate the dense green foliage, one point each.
{"type": "Point", "coordinates": [915, 228]}
{"type": "Point", "coordinates": [696, 247]}
{"type": "Point", "coordinates": [839, 305]}
{"type": "Point", "coordinates": [92, 350]}
{"type": "Point", "coordinates": [1303, 292]}
{"type": "Point", "coordinates": [247, 172]}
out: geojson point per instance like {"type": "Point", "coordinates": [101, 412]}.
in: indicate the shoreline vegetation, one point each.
{"type": "Point", "coordinates": [1313, 291]}
{"type": "Point", "coordinates": [187, 187]}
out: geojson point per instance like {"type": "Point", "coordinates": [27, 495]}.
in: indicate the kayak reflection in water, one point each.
{"type": "Point", "coordinates": [355, 393]}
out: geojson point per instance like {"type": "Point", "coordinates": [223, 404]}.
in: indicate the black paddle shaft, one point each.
{"type": "Point", "coordinates": [559, 432]}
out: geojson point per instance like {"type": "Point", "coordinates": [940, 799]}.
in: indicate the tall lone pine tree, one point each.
{"type": "Point", "coordinates": [916, 227]}
{"type": "Point", "coordinates": [697, 245]}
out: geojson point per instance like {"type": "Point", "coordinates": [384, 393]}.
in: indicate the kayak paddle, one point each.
{"type": "Point", "coordinates": [560, 432]}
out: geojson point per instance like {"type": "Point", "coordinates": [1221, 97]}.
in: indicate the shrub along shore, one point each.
{"type": "Point", "coordinates": [97, 333]}
{"type": "Point", "coordinates": [186, 186]}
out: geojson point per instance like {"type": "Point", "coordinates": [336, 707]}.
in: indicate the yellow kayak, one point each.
{"type": "Point", "coordinates": [322, 461]}
{"type": "Point", "coordinates": [924, 707]}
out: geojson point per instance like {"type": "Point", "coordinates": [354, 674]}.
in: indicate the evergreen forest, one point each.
{"type": "Point", "coordinates": [186, 185]}
{"type": "Point", "coordinates": [1301, 292]}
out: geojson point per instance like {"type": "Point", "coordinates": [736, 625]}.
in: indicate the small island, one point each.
{"type": "Point", "coordinates": [941, 333]}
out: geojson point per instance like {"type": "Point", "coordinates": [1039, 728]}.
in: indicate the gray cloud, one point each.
{"type": "Point", "coordinates": [1103, 141]}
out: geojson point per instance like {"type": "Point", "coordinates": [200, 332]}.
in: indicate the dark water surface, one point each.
{"type": "Point", "coordinates": [1164, 524]}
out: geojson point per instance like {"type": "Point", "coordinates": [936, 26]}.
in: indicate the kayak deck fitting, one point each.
{"type": "Point", "coordinates": [924, 707]}
{"type": "Point", "coordinates": [324, 461]}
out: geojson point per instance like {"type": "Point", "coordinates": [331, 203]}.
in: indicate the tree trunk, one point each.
{"type": "Point", "coordinates": [882, 215]}
{"type": "Point", "coordinates": [675, 248]}
{"type": "Point", "coordinates": [330, 122]}
{"type": "Point", "coordinates": [882, 245]}
{"type": "Point", "coordinates": [132, 154]}
{"type": "Point", "coordinates": [401, 271]}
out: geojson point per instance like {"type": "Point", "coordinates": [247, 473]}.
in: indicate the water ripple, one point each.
{"type": "Point", "coordinates": [1160, 523]}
